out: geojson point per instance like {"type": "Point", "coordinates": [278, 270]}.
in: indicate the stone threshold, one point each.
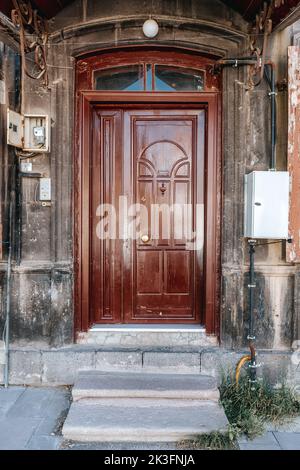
{"type": "Point", "coordinates": [155, 328]}
{"type": "Point", "coordinates": [147, 335]}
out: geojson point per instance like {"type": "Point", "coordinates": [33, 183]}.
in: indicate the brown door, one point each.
{"type": "Point", "coordinates": [149, 267]}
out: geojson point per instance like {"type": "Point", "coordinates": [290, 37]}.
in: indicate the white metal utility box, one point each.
{"type": "Point", "coordinates": [30, 132]}
{"type": "Point", "coordinates": [266, 205]}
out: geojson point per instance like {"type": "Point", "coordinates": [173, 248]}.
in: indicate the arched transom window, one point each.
{"type": "Point", "coordinates": [147, 70]}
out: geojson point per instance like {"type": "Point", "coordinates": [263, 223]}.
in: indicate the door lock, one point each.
{"type": "Point", "coordinates": [145, 238]}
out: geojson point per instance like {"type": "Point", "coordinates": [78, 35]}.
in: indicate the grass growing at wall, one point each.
{"type": "Point", "coordinates": [248, 409]}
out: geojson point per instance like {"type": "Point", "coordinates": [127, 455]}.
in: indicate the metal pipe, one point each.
{"type": "Point", "coordinates": [237, 62]}
{"type": "Point", "coordinates": [273, 119]}
{"type": "Point", "coordinates": [239, 366]}
{"type": "Point", "coordinates": [251, 287]}
{"type": "Point", "coordinates": [271, 79]}
{"type": "Point", "coordinates": [234, 62]}
{"type": "Point", "coordinates": [249, 57]}
{"type": "Point", "coordinates": [8, 290]}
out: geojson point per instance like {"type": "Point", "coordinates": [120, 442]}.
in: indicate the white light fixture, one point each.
{"type": "Point", "coordinates": [150, 28]}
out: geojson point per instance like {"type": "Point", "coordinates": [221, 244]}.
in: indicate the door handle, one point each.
{"type": "Point", "coordinates": [145, 238]}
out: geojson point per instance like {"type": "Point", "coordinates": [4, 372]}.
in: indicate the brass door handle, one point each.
{"type": "Point", "coordinates": [145, 238]}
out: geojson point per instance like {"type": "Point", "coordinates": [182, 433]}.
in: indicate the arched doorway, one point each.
{"type": "Point", "coordinates": [147, 142]}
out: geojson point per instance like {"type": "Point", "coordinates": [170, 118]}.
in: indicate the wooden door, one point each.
{"type": "Point", "coordinates": [151, 270]}
{"type": "Point", "coordinates": [164, 171]}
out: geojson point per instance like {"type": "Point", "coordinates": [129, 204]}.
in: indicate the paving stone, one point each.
{"type": "Point", "coordinates": [8, 396]}
{"type": "Point", "coordinates": [15, 433]}
{"type": "Point", "coordinates": [288, 440]}
{"type": "Point", "coordinates": [48, 425]}
{"type": "Point", "coordinates": [142, 420]}
{"type": "Point", "coordinates": [44, 443]}
{"type": "Point", "coordinates": [290, 425]}
{"type": "Point", "coordinates": [55, 413]}
{"type": "Point", "coordinates": [95, 384]}
{"type": "Point", "coordinates": [265, 442]}
{"type": "Point", "coordinates": [60, 401]}
{"type": "Point", "coordinates": [32, 414]}
{"type": "Point", "coordinates": [33, 403]}
{"type": "Point", "coordinates": [118, 360]}
{"type": "Point", "coordinates": [61, 367]}
{"type": "Point", "coordinates": [172, 362]}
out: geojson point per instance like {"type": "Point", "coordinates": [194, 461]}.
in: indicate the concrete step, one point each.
{"type": "Point", "coordinates": [142, 407]}
{"type": "Point", "coordinates": [141, 336]}
{"type": "Point", "coordinates": [142, 420]}
{"type": "Point", "coordinates": [97, 384]}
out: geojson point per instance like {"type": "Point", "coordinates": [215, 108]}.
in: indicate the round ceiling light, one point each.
{"type": "Point", "coordinates": [150, 28]}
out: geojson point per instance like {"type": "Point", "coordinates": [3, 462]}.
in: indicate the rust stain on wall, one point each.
{"type": "Point", "coordinates": [293, 249]}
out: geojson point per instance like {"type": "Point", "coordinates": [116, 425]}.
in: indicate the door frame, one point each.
{"type": "Point", "coordinates": [213, 190]}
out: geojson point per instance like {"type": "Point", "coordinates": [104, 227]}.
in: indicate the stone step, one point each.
{"type": "Point", "coordinates": [97, 384]}
{"type": "Point", "coordinates": [141, 336]}
{"type": "Point", "coordinates": [142, 420]}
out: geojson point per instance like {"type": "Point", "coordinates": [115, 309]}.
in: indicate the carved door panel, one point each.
{"type": "Point", "coordinates": [164, 173]}
{"type": "Point", "coordinates": [106, 247]}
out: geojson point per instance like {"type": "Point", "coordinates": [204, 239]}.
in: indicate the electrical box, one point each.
{"type": "Point", "coordinates": [30, 132]}
{"type": "Point", "coordinates": [266, 205]}
{"type": "Point", "coordinates": [14, 129]}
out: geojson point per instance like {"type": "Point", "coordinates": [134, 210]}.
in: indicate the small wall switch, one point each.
{"type": "Point", "coordinates": [26, 167]}
{"type": "Point", "coordinates": [45, 189]}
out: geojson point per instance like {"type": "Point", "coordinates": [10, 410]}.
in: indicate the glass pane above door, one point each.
{"type": "Point", "coordinates": [165, 78]}
{"type": "Point", "coordinates": [125, 78]}
{"type": "Point", "coordinates": [170, 78]}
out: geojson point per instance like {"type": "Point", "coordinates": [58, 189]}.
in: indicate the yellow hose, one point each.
{"type": "Point", "coordinates": [239, 366]}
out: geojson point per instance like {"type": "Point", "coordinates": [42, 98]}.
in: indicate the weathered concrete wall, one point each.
{"type": "Point", "coordinates": [43, 283]}
{"type": "Point", "coordinates": [276, 297]}
{"type": "Point", "coordinates": [44, 367]}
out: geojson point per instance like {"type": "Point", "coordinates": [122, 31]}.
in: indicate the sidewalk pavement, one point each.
{"type": "Point", "coordinates": [284, 437]}
{"type": "Point", "coordinates": [31, 418]}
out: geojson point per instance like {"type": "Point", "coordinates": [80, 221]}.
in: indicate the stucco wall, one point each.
{"type": "Point", "coordinates": [43, 283]}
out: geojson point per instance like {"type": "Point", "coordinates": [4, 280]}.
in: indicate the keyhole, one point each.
{"type": "Point", "coordinates": [163, 188]}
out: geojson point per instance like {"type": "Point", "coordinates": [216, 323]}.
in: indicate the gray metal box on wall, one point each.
{"type": "Point", "coordinates": [266, 205]}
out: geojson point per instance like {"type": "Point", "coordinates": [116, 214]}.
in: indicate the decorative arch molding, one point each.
{"type": "Point", "coordinates": [91, 62]}
{"type": "Point", "coordinates": [133, 21]}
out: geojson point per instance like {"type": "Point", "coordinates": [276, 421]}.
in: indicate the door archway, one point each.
{"type": "Point", "coordinates": [128, 102]}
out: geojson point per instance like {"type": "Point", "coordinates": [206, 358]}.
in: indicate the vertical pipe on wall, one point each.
{"type": "Point", "coordinates": [271, 77]}
{"type": "Point", "coordinates": [251, 336]}
{"type": "Point", "coordinates": [8, 291]}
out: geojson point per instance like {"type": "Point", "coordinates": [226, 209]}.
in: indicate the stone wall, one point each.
{"type": "Point", "coordinates": [44, 367]}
